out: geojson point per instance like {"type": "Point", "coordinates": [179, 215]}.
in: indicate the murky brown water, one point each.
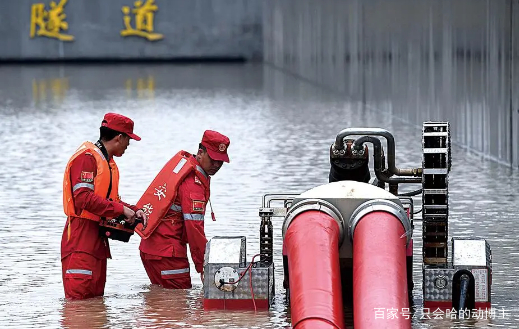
{"type": "Point", "coordinates": [280, 130]}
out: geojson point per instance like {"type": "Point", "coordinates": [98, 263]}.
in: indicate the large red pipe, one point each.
{"type": "Point", "coordinates": [312, 246]}
{"type": "Point", "coordinates": [379, 273]}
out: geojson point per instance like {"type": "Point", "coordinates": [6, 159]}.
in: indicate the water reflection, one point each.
{"type": "Point", "coordinates": [54, 89]}
{"type": "Point", "coordinates": [280, 128]}
{"type": "Point", "coordinates": [162, 308]}
{"type": "Point", "coordinates": [141, 87]}
{"type": "Point", "coordinates": [90, 313]}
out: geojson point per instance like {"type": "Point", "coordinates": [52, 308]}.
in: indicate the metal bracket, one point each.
{"type": "Point", "coordinates": [380, 205]}
{"type": "Point", "coordinates": [319, 205]}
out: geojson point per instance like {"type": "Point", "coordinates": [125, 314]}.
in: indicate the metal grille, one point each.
{"type": "Point", "coordinates": [435, 196]}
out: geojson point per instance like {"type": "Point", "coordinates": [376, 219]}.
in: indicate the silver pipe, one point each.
{"type": "Point", "coordinates": [377, 155]}
{"type": "Point", "coordinates": [267, 198]}
{"type": "Point", "coordinates": [339, 145]}
{"type": "Point", "coordinates": [400, 179]}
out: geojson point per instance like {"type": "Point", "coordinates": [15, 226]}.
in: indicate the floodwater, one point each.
{"type": "Point", "coordinates": [280, 128]}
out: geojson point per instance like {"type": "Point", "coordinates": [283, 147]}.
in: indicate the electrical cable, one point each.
{"type": "Point", "coordinates": [248, 268]}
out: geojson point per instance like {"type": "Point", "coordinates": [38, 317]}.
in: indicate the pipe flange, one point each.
{"type": "Point", "coordinates": [319, 205]}
{"type": "Point", "coordinates": [380, 205]}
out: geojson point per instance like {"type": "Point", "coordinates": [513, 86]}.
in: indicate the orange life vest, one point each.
{"type": "Point", "coordinates": [161, 193]}
{"type": "Point", "coordinates": [101, 181]}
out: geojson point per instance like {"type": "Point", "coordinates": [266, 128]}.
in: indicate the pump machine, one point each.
{"type": "Point", "coordinates": [351, 240]}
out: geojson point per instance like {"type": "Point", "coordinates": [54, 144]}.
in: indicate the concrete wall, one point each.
{"type": "Point", "coordinates": [190, 28]}
{"type": "Point", "coordinates": [419, 60]}
{"type": "Point", "coordinates": [514, 85]}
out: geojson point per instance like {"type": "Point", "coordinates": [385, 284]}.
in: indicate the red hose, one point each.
{"type": "Point", "coordinates": [379, 273]}
{"type": "Point", "coordinates": [312, 245]}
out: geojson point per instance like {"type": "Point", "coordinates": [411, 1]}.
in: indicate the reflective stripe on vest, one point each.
{"type": "Point", "coordinates": [175, 207]}
{"type": "Point", "coordinates": [179, 165]}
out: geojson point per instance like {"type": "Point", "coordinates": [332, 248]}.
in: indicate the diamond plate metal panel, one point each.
{"type": "Point", "coordinates": [262, 283]}
{"type": "Point", "coordinates": [432, 283]}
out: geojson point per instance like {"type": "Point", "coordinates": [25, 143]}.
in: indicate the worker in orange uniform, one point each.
{"type": "Point", "coordinates": [90, 193]}
{"type": "Point", "coordinates": [175, 203]}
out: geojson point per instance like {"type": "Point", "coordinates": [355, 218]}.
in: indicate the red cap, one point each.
{"type": "Point", "coordinates": [119, 123]}
{"type": "Point", "coordinates": [216, 145]}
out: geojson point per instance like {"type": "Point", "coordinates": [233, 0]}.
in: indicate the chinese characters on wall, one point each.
{"type": "Point", "coordinates": [51, 23]}
{"type": "Point", "coordinates": [143, 14]}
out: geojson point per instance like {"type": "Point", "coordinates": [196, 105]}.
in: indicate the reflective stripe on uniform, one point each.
{"type": "Point", "coordinates": [85, 272]}
{"type": "Point", "coordinates": [80, 185]}
{"type": "Point", "coordinates": [193, 216]}
{"type": "Point", "coordinates": [176, 207]}
{"type": "Point", "coordinates": [169, 272]}
{"type": "Point", "coordinates": [201, 170]}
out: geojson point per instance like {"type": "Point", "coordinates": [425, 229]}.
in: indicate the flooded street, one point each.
{"type": "Point", "coordinates": [280, 129]}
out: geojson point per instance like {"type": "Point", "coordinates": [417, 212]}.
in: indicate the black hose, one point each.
{"type": "Point", "coordinates": [377, 147]}
{"type": "Point", "coordinates": [390, 149]}
{"type": "Point", "coordinates": [464, 289]}
{"type": "Point", "coordinates": [383, 175]}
